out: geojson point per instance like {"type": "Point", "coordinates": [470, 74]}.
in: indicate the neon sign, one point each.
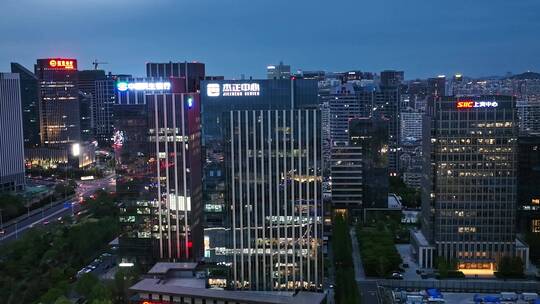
{"type": "Point", "coordinates": [469, 104]}
{"type": "Point", "coordinates": [123, 86]}
{"type": "Point", "coordinates": [65, 64]}
{"type": "Point", "coordinates": [233, 89]}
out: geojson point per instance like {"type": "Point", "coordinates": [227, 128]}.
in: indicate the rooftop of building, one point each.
{"type": "Point", "coordinates": [420, 238]}
{"type": "Point", "coordinates": [190, 288]}
{"type": "Point", "coordinates": [163, 268]}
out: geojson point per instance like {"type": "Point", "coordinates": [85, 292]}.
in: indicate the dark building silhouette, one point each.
{"type": "Point", "coordinates": [528, 184]}
{"type": "Point", "coordinates": [30, 104]}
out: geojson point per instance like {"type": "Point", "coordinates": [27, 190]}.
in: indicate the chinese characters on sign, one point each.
{"type": "Point", "coordinates": [66, 64]}
{"type": "Point", "coordinates": [233, 89]}
{"type": "Point", "coordinates": [143, 86]}
{"type": "Point", "coordinates": [468, 104]}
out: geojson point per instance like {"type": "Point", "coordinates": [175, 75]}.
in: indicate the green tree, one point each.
{"type": "Point", "coordinates": [123, 279]}
{"type": "Point", "coordinates": [346, 288]}
{"type": "Point", "coordinates": [11, 205]}
{"type": "Point", "coordinates": [100, 301]}
{"type": "Point", "coordinates": [99, 292]}
{"type": "Point", "coordinates": [505, 266]}
{"type": "Point", "coordinates": [85, 284]}
{"type": "Point", "coordinates": [62, 300]}
{"type": "Point", "coordinates": [517, 267]}
{"type": "Point", "coordinates": [51, 295]}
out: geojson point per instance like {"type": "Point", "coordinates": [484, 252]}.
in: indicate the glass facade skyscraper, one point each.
{"type": "Point", "coordinates": [242, 105]}
{"type": "Point", "coordinates": [273, 165]}
{"type": "Point", "coordinates": [58, 101]}
{"type": "Point", "coordinates": [469, 208]}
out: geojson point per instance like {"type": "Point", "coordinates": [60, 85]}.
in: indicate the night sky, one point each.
{"type": "Point", "coordinates": [422, 37]}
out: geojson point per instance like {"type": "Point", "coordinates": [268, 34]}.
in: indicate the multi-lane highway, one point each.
{"type": "Point", "coordinates": [51, 214]}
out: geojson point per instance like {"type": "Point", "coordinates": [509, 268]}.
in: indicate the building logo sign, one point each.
{"type": "Point", "coordinates": [469, 104]}
{"type": "Point", "coordinates": [213, 90]}
{"type": "Point", "coordinates": [63, 64]}
{"type": "Point", "coordinates": [233, 89]}
{"type": "Point", "coordinates": [123, 86]}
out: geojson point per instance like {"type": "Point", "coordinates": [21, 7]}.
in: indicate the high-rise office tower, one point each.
{"type": "Point", "coordinates": [97, 99]}
{"type": "Point", "coordinates": [58, 101]}
{"type": "Point", "coordinates": [30, 104]}
{"type": "Point", "coordinates": [388, 104]}
{"type": "Point", "coordinates": [343, 106]}
{"type": "Point", "coordinates": [85, 112]}
{"type": "Point", "coordinates": [131, 147]}
{"type": "Point", "coordinates": [273, 160]}
{"type": "Point", "coordinates": [174, 129]}
{"type": "Point", "coordinates": [411, 125]}
{"type": "Point", "coordinates": [157, 141]}
{"type": "Point", "coordinates": [280, 71]}
{"type": "Point", "coordinates": [436, 87]}
{"type": "Point", "coordinates": [371, 134]}
{"type": "Point", "coordinates": [391, 78]}
{"type": "Point", "coordinates": [346, 170]}
{"type": "Point", "coordinates": [242, 104]}
{"type": "Point", "coordinates": [528, 111]}
{"type": "Point", "coordinates": [11, 134]}
{"type": "Point", "coordinates": [192, 72]}
{"type": "Point", "coordinates": [528, 191]}
{"type": "Point", "coordinates": [469, 206]}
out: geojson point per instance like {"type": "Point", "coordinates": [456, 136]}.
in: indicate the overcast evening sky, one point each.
{"type": "Point", "coordinates": [422, 37]}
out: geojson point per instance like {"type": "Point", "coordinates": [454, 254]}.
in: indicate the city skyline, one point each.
{"type": "Point", "coordinates": [269, 152]}
{"type": "Point", "coordinates": [412, 37]}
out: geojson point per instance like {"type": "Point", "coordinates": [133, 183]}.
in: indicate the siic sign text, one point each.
{"type": "Point", "coordinates": [468, 104]}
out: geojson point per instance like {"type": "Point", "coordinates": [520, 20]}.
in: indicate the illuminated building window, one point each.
{"type": "Point", "coordinates": [535, 226]}
{"type": "Point", "coordinates": [466, 229]}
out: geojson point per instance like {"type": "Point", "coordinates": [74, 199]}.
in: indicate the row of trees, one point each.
{"type": "Point", "coordinates": [99, 292]}
{"type": "Point", "coordinates": [379, 254]}
{"type": "Point", "coordinates": [346, 288]}
{"type": "Point", "coordinates": [12, 206]}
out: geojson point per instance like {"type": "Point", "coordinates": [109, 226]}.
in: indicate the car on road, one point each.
{"type": "Point", "coordinates": [2, 231]}
{"type": "Point", "coordinates": [397, 276]}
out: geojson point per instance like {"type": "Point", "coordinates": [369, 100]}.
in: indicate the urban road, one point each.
{"type": "Point", "coordinates": [53, 213]}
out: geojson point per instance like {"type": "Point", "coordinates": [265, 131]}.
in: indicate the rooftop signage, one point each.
{"type": "Point", "coordinates": [123, 86]}
{"type": "Point", "coordinates": [62, 63]}
{"type": "Point", "coordinates": [233, 89]}
{"type": "Point", "coordinates": [469, 104]}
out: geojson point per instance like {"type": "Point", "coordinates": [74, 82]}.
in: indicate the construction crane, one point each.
{"type": "Point", "coordinates": [96, 63]}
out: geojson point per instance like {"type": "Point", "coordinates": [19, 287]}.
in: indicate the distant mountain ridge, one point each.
{"type": "Point", "coordinates": [526, 75]}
